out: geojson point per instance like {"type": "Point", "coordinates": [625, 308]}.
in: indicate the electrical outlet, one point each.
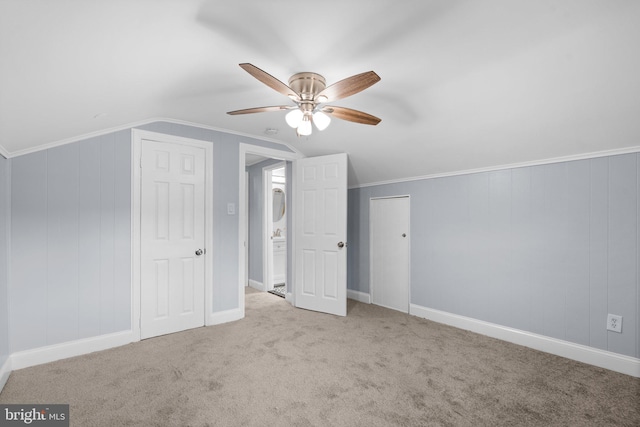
{"type": "Point", "coordinates": [614, 323]}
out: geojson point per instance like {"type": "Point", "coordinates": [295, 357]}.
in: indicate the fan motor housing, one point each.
{"type": "Point", "coordinates": [307, 84]}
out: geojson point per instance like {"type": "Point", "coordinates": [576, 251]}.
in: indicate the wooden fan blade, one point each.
{"type": "Point", "coordinates": [261, 109]}
{"type": "Point", "coordinates": [351, 115]}
{"type": "Point", "coordinates": [269, 80]}
{"type": "Point", "coordinates": [349, 86]}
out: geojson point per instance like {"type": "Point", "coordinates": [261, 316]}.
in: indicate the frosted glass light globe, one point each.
{"type": "Point", "coordinates": [321, 120]}
{"type": "Point", "coordinates": [294, 117]}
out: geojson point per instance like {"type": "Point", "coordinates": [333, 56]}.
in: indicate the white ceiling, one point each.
{"type": "Point", "coordinates": [465, 84]}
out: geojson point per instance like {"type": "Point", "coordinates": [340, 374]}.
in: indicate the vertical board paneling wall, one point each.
{"type": "Point", "coordinates": [71, 237]}
{"type": "Point", "coordinates": [4, 222]}
{"type": "Point", "coordinates": [548, 249]}
{"type": "Point", "coordinates": [254, 239]}
{"type": "Point", "coordinates": [71, 242]}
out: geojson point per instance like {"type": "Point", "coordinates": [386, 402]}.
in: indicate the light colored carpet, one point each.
{"type": "Point", "coordinates": [375, 367]}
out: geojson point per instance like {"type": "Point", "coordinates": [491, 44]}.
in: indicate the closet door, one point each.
{"type": "Point", "coordinates": [389, 239]}
{"type": "Point", "coordinates": [172, 238]}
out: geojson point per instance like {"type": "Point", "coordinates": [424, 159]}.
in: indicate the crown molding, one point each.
{"type": "Point", "coordinates": [132, 125]}
{"type": "Point", "coordinates": [232, 132]}
{"type": "Point", "coordinates": [585, 156]}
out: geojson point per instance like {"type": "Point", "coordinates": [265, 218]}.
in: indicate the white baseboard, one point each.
{"type": "Point", "coordinates": [288, 297]}
{"type": "Point", "coordinates": [5, 371]}
{"type": "Point", "coordinates": [257, 285]}
{"type": "Point", "coordinates": [225, 316]}
{"type": "Point", "coordinates": [359, 296]}
{"type": "Point", "coordinates": [51, 353]}
{"type": "Point", "coordinates": [581, 353]}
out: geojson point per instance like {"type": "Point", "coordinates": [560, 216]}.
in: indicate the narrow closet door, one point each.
{"type": "Point", "coordinates": [389, 231]}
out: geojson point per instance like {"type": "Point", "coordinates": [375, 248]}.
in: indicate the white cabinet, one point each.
{"type": "Point", "coordinates": [279, 260]}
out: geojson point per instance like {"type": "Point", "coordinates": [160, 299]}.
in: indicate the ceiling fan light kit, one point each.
{"type": "Point", "coordinates": [321, 120]}
{"type": "Point", "coordinates": [294, 117]}
{"type": "Point", "coordinates": [309, 91]}
{"type": "Point", "coordinates": [304, 129]}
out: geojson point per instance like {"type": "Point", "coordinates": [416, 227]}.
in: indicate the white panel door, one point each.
{"type": "Point", "coordinates": [389, 231]}
{"type": "Point", "coordinates": [172, 236]}
{"type": "Point", "coordinates": [320, 233]}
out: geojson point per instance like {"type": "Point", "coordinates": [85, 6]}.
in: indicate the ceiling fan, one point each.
{"type": "Point", "coordinates": [309, 92]}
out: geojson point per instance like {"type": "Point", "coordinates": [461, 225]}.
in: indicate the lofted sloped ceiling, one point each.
{"type": "Point", "coordinates": [465, 84]}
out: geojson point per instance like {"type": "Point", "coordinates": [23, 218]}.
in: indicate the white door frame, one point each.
{"type": "Point", "coordinates": [246, 227]}
{"type": "Point", "coordinates": [137, 136]}
{"type": "Point", "coordinates": [267, 222]}
{"type": "Point", "coordinates": [371, 291]}
{"type": "Point", "coordinates": [272, 153]}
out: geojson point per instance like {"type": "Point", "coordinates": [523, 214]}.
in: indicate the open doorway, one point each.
{"type": "Point", "coordinates": [267, 225]}
{"type": "Point", "coordinates": [317, 229]}
{"type": "Point", "coordinates": [266, 262]}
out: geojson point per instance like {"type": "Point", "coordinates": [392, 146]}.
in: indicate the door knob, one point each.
{"type": "Point", "coordinates": [341, 245]}
{"type": "Point", "coordinates": [199, 252]}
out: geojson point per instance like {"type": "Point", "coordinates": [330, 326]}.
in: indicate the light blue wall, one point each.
{"type": "Point", "coordinates": [71, 236]}
{"type": "Point", "coordinates": [4, 222]}
{"type": "Point", "coordinates": [548, 249]}
{"type": "Point", "coordinates": [256, 203]}
{"type": "Point", "coordinates": [256, 199]}
{"type": "Point", "coordinates": [71, 242]}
